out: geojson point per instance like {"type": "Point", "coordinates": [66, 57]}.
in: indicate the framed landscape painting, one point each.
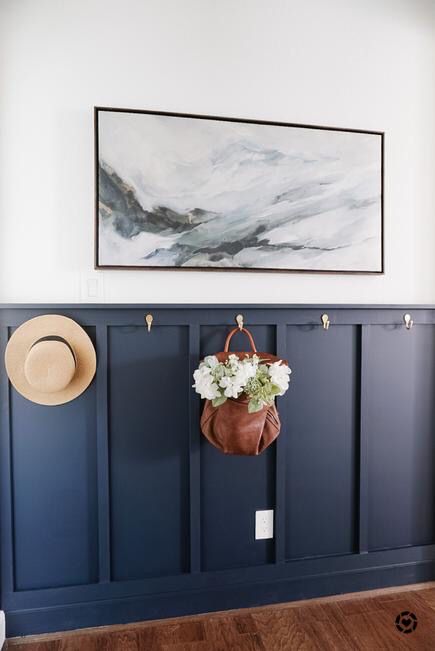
{"type": "Point", "coordinates": [198, 192]}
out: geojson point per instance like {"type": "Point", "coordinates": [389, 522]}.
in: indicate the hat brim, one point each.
{"type": "Point", "coordinates": [30, 332]}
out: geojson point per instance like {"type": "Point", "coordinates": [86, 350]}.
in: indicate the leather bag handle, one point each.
{"type": "Point", "coordinates": [233, 332]}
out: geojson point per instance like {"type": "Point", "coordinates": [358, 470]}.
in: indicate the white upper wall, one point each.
{"type": "Point", "coordinates": [366, 64]}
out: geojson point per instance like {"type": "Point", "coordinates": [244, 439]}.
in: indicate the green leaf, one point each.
{"type": "Point", "coordinates": [217, 402]}
{"type": "Point", "coordinates": [254, 405]}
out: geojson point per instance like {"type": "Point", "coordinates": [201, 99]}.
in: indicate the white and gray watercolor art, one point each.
{"type": "Point", "coordinates": [179, 191]}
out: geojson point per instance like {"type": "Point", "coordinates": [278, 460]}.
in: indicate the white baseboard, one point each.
{"type": "Point", "coordinates": [2, 629]}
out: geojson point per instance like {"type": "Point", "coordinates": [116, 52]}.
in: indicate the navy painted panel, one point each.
{"type": "Point", "coordinates": [54, 492]}
{"type": "Point", "coordinates": [234, 487]}
{"type": "Point", "coordinates": [179, 509]}
{"type": "Point", "coordinates": [149, 388]}
{"type": "Point", "coordinates": [400, 407]}
{"type": "Point", "coordinates": [321, 440]}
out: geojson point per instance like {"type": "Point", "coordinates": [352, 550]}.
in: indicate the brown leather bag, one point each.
{"type": "Point", "coordinates": [230, 427]}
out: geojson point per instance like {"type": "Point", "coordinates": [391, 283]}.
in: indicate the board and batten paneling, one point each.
{"type": "Point", "coordinates": [234, 487]}
{"type": "Point", "coordinates": [54, 490]}
{"type": "Point", "coordinates": [114, 508]}
{"type": "Point", "coordinates": [400, 408]}
{"type": "Point", "coordinates": [322, 437]}
{"type": "Point", "coordinates": [149, 437]}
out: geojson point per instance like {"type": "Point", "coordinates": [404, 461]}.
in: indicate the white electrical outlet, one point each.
{"type": "Point", "coordinates": [263, 524]}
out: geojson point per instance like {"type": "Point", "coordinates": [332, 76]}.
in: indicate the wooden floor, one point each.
{"type": "Point", "coordinates": [359, 621]}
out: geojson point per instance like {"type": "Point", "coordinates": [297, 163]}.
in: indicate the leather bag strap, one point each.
{"type": "Point", "coordinates": [233, 332]}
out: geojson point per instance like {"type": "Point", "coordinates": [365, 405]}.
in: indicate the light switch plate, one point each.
{"type": "Point", "coordinates": [92, 287]}
{"type": "Point", "coordinates": [263, 524]}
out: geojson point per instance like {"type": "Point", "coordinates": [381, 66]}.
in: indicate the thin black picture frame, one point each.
{"type": "Point", "coordinates": [98, 266]}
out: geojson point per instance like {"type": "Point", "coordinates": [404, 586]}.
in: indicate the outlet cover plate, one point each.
{"type": "Point", "coordinates": [264, 524]}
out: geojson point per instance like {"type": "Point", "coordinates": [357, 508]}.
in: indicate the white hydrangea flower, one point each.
{"type": "Point", "coordinates": [217, 381]}
{"type": "Point", "coordinates": [280, 375]}
{"type": "Point", "coordinates": [244, 372]}
{"type": "Point", "coordinates": [251, 366]}
{"type": "Point", "coordinates": [231, 388]}
{"type": "Point", "coordinates": [233, 363]}
{"type": "Point", "coordinates": [205, 384]}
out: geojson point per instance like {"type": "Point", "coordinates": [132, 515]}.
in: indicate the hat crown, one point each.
{"type": "Point", "coordinates": [50, 366]}
{"type": "Point", "coordinates": [50, 359]}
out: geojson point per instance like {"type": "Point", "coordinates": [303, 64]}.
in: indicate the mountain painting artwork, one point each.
{"type": "Point", "coordinates": [196, 192]}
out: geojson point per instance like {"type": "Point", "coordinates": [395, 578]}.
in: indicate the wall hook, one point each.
{"type": "Point", "coordinates": [239, 321]}
{"type": "Point", "coordinates": [325, 321]}
{"type": "Point", "coordinates": [149, 321]}
{"type": "Point", "coordinates": [408, 321]}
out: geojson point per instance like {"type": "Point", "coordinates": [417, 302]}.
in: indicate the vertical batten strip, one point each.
{"type": "Point", "coordinates": [6, 490]}
{"type": "Point", "coordinates": [194, 455]}
{"type": "Point", "coordinates": [363, 441]}
{"type": "Point", "coordinates": [280, 461]}
{"type": "Point", "coordinates": [103, 478]}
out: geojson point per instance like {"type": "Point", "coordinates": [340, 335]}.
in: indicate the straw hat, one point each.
{"type": "Point", "coordinates": [50, 359]}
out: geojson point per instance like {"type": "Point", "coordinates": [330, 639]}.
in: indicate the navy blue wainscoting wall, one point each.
{"type": "Point", "coordinates": [114, 508]}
